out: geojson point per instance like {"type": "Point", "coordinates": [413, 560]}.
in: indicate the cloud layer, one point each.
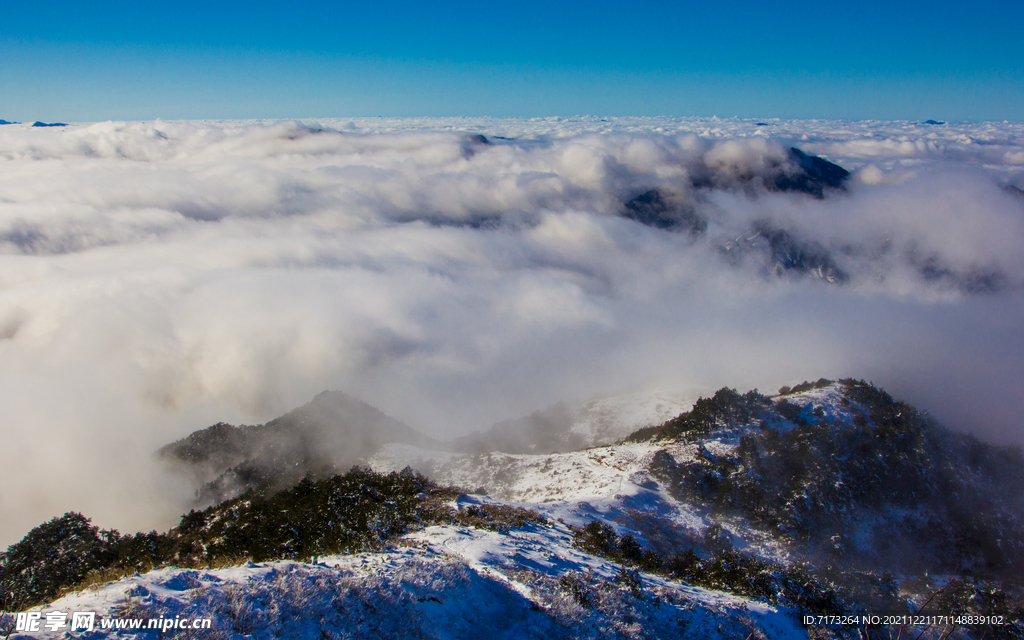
{"type": "Point", "coordinates": [159, 277]}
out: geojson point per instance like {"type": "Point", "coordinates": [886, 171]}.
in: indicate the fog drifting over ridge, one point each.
{"type": "Point", "coordinates": [158, 277]}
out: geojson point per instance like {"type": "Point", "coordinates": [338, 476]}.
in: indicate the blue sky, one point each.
{"type": "Point", "coordinates": [895, 60]}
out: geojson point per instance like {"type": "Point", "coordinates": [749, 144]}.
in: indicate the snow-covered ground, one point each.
{"type": "Point", "coordinates": [448, 581]}
{"type": "Point", "coordinates": [440, 582]}
{"type": "Point", "coordinates": [610, 483]}
{"type": "Point", "coordinates": [534, 478]}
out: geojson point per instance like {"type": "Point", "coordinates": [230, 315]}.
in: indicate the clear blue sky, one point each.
{"type": "Point", "coordinates": [85, 61]}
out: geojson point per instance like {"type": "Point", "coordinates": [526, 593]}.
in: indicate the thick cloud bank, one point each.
{"type": "Point", "coordinates": [156, 278]}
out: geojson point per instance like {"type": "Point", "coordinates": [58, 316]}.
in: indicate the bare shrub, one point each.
{"type": "Point", "coordinates": [497, 517]}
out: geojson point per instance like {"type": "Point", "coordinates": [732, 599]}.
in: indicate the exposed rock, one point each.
{"type": "Point", "coordinates": [792, 170]}
{"type": "Point", "coordinates": [654, 209]}
{"type": "Point", "coordinates": [471, 143]}
{"type": "Point", "coordinates": [786, 254]}
{"type": "Point", "coordinates": [813, 176]}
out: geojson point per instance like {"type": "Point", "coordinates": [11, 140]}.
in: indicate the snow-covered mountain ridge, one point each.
{"type": "Point", "coordinates": [838, 475]}
{"type": "Point", "coordinates": [831, 497]}
{"type": "Point", "coordinates": [334, 431]}
{"type": "Point", "coordinates": [438, 581]}
{"type": "Point", "coordinates": [441, 582]}
{"type": "Point", "coordinates": [807, 468]}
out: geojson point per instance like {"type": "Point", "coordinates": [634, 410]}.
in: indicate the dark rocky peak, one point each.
{"type": "Point", "coordinates": [48, 124]}
{"type": "Point", "coordinates": [812, 176]}
{"type": "Point", "coordinates": [789, 254]}
{"type": "Point", "coordinates": [660, 210]}
{"type": "Point", "coordinates": [471, 143]}
{"type": "Point", "coordinates": [756, 169]}
{"type": "Point", "coordinates": [784, 254]}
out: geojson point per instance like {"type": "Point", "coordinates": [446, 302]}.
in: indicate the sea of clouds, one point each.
{"type": "Point", "coordinates": [157, 277]}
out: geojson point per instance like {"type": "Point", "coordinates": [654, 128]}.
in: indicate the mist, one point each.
{"type": "Point", "coordinates": [158, 277]}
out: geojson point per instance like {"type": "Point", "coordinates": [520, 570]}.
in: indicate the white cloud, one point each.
{"type": "Point", "coordinates": [158, 277]}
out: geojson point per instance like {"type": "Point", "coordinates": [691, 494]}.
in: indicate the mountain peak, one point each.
{"type": "Point", "coordinates": [328, 434]}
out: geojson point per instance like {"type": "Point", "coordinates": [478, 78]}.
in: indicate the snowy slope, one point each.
{"type": "Point", "coordinates": [622, 483]}
{"type": "Point", "coordinates": [600, 472]}
{"type": "Point", "coordinates": [600, 469]}
{"type": "Point", "coordinates": [450, 581]}
{"type": "Point", "coordinates": [445, 581]}
{"type": "Point", "coordinates": [441, 582]}
{"type": "Point", "coordinates": [611, 483]}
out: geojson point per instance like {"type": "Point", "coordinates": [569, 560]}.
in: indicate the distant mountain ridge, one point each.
{"type": "Point", "coordinates": [570, 426]}
{"type": "Point", "coordinates": [319, 439]}
{"type": "Point", "coordinates": [783, 251]}
{"type": "Point", "coordinates": [335, 431]}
